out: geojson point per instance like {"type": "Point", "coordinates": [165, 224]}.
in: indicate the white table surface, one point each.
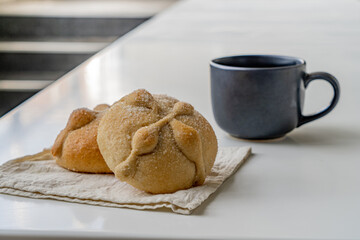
{"type": "Point", "coordinates": [306, 186]}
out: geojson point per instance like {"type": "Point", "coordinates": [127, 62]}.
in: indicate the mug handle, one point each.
{"type": "Point", "coordinates": [334, 83]}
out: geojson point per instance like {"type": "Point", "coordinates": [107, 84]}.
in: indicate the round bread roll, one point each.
{"type": "Point", "coordinates": [76, 148]}
{"type": "Point", "coordinates": [156, 143]}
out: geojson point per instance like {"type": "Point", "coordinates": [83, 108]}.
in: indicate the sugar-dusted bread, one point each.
{"type": "Point", "coordinates": [76, 148]}
{"type": "Point", "coordinates": [156, 143]}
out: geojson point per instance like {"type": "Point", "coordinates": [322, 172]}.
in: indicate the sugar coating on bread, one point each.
{"type": "Point", "coordinates": [76, 148]}
{"type": "Point", "coordinates": [157, 143]}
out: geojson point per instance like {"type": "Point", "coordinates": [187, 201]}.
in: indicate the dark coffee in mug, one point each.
{"type": "Point", "coordinates": [262, 96]}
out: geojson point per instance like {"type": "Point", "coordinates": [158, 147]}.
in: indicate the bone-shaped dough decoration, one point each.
{"type": "Point", "coordinates": [146, 139]}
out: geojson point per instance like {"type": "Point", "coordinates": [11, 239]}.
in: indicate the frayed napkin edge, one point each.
{"type": "Point", "coordinates": [186, 210]}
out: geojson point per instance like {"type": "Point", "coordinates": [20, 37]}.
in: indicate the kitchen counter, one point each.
{"type": "Point", "coordinates": [305, 186]}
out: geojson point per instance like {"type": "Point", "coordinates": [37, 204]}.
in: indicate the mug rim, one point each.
{"type": "Point", "coordinates": [299, 61]}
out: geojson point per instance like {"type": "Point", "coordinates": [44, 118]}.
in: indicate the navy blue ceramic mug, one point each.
{"type": "Point", "coordinates": [262, 96]}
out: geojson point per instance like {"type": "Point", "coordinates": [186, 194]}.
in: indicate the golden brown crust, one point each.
{"type": "Point", "coordinates": [76, 148]}
{"type": "Point", "coordinates": [156, 143]}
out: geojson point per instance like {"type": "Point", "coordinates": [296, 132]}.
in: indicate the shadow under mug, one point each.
{"type": "Point", "coordinates": [262, 96]}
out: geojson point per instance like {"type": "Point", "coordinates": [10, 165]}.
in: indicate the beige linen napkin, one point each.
{"type": "Point", "coordinates": [38, 177]}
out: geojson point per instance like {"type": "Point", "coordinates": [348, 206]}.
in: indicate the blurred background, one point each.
{"type": "Point", "coordinates": [42, 40]}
